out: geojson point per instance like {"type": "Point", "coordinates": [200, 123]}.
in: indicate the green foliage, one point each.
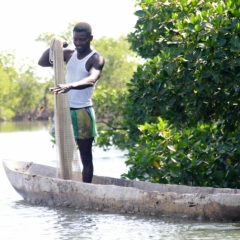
{"type": "Point", "coordinates": [200, 156]}
{"type": "Point", "coordinates": [120, 62]}
{"type": "Point", "coordinates": [5, 84]}
{"type": "Point", "coordinates": [27, 88]}
{"type": "Point", "coordinates": [8, 85]}
{"type": "Point", "coordinates": [191, 80]}
{"type": "Point", "coordinates": [109, 107]}
{"type": "Point", "coordinates": [21, 90]}
{"type": "Point", "coordinates": [193, 68]}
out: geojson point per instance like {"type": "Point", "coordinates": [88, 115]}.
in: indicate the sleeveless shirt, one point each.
{"type": "Point", "coordinates": [76, 71]}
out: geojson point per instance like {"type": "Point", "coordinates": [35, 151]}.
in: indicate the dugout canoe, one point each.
{"type": "Point", "coordinates": [37, 184]}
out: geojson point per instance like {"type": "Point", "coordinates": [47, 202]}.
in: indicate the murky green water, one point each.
{"type": "Point", "coordinates": [21, 220]}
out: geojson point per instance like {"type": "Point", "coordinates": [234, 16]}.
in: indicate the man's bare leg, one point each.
{"type": "Point", "coordinates": [85, 148]}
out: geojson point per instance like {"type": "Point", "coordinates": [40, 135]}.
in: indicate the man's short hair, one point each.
{"type": "Point", "coordinates": [83, 27]}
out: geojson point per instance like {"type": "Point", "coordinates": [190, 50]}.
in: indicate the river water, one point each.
{"type": "Point", "coordinates": [21, 220]}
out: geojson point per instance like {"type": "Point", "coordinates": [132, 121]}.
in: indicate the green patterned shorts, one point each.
{"type": "Point", "coordinates": [84, 123]}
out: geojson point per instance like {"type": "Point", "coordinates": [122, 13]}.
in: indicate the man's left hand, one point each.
{"type": "Point", "coordinates": [61, 88]}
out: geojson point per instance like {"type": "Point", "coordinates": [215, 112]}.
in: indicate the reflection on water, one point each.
{"type": "Point", "coordinates": [22, 126]}
{"type": "Point", "coordinates": [21, 220]}
{"type": "Point", "coordinates": [69, 223]}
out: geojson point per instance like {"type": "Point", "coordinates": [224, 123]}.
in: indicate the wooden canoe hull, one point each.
{"type": "Point", "coordinates": [37, 184]}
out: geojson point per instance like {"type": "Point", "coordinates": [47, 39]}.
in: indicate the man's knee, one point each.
{"type": "Point", "coordinates": [85, 149]}
{"type": "Point", "coordinates": [86, 157]}
{"type": "Point", "coordinates": [86, 154]}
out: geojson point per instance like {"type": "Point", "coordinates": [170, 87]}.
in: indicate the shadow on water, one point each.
{"type": "Point", "coordinates": [71, 223]}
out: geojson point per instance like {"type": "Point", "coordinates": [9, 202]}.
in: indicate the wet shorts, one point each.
{"type": "Point", "coordinates": [84, 123]}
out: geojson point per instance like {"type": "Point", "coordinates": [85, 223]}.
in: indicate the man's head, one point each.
{"type": "Point", "coordinates": [83, 27]}
{"type": "Point", "coordinates": [82, 36]}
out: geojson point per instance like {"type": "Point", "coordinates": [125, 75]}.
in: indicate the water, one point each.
{"type": "Point", "coordinates": [21, 220]}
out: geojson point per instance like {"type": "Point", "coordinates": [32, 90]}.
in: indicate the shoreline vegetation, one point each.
{"type": "Point", "coordinates": [31, 115]}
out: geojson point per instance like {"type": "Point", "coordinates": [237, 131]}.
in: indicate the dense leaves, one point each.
{"type": "Point", "coordinates": [200, 156]}
{"type": "Point", "coordinates": [191, 80]}
{"type": "Point", "coordinates": [193, 68]}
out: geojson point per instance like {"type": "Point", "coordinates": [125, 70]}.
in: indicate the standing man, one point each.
{"type": "Point", "coordinates": [83, 69]}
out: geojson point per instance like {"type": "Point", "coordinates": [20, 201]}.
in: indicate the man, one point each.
{"type": "Point", "coordinates": [83, 69]}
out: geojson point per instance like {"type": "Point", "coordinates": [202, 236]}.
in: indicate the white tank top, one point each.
{"type": "Point", "coordinates": [76, 71]}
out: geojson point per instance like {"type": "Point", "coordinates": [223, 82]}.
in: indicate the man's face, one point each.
{"type": "Point", "coordinates": [81, 40]}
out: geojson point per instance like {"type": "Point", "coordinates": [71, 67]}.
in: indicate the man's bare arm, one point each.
{"type": "Point", "coordinates": [94, 75]}
{"type": "Point", "coordinates": [44, 59]}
